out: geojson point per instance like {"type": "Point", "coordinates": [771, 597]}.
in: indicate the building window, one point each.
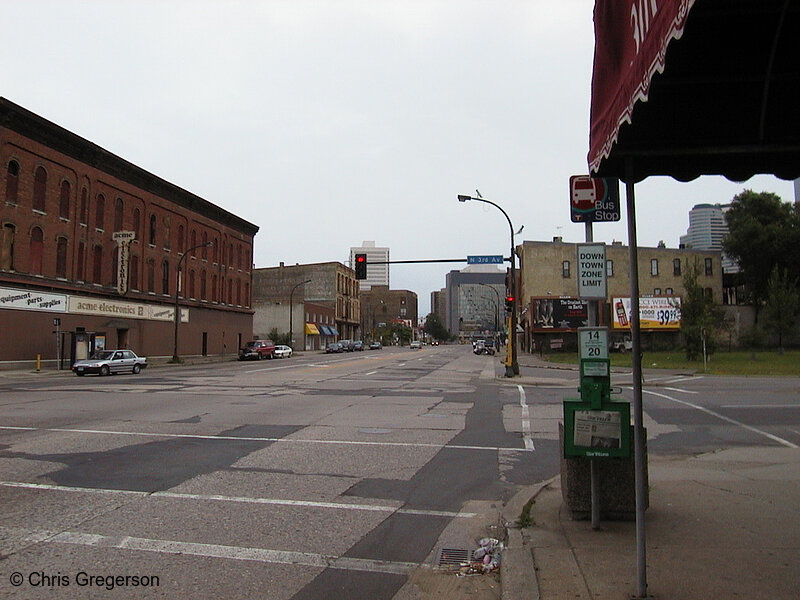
{"type": "Point", "coordinates": [709, 264]}
{"type": "Point", "coordinates": [191, 285]}
{"type": "Point", "coordinates": [656, 291]}
{"type": "Point", "coordinates": [203, 285]}
{"type": "Point", "coordinates": [114, 267]}
{"type": "Point", "coordinates": [654, 267]}
{"type": "Point", "coordinates": [37, 248]}
{"type": "Point", "coordinates": [565, 269]}
{"type": "Point", "coordinates": [151, 275]}
{"type": "Point", "coordinates": [133, 273]}
{"type": "Point", "coordinates": [137, 223]}
{"type": "Point", "coordinates": [676, 267]}
{"type": "Point", "coordinates": [239, 257]}
{"type": "Point", "coordinates": [7, 247]}
{"type": "Point", "coordinates": [39, 189]}
{"type": "Point", "coordinates": [100, 212]}
{"type": "Point", "coordinates": [609, 268]}
{"type": "Point", "coordinates": [193, 241]}
{"type": "Point", "coordinates": [214, 250]}
{"type": "Point", "coordinates": [709, 293]}
{"type": "Point", "coordinates": [80, 275]}
{"type": "Point", "coordinates": [12, 181]}
{"type": "Point", "coordinates": [61, 257]}
{"type": "Point", "coordinates": [84, 214]}
{"type": "Point", "coordinates": [167, 234]}
{"type": "Point", "coordinates": [205, 247]}
{"type": "Point", "coordinates": [165, 277]}
{"type": "Point", "coordinates": [97, 265]}
{"type": "Point", "coordinates": [669, 291]}
{"type": "Point", "coordinates": [214, 296]}
{"type": "Point", "coordinates": [63, 200]}
{"type": "Point", "coordinates": [180, 247]}
{"type": "Point", "coordinates": [152, 234]}
{"type": "Point", "coordinates": [119, 207]}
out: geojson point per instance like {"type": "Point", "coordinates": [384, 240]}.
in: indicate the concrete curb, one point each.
{"type": "Point", "coordinates": [517, 569]}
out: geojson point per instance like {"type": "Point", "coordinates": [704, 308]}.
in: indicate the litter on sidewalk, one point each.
{"type": "Point", "coordinates": [486, 559]}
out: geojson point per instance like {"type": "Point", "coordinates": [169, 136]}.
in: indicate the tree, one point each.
{"type": "Point", "coordinates": [764, 232]}
{"type": "Point", "coordinates": [434, 328]}
{"type": "Point", "coordinates": [700, 317]}
{"type": "Point", "coordinates": [782, 302]}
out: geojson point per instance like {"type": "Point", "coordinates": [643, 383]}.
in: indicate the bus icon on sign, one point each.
{"type": "Point", "coordinates": [593, 199]}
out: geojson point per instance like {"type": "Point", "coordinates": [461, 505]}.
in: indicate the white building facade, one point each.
{"type": "Point", "coordinates": [377, 274]}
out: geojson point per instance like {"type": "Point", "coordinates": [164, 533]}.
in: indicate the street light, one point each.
{"type": "Point", "coordinates": [512, 368]}
{"type": "Point", "coordinates": [175, 357]}
{"type": "Point", "coordinates": [291, 307]}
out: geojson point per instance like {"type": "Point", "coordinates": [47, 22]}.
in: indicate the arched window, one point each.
{"type": "Point", "coordinates": [100, 212]}
{"type": "Point", "coordinates": [37, 248]}
{"type": "Point", "coordinates": [12, 181]}
{"type": "Point", "coordinates": [79, 268]}
{"type": "Point", "coordinates": [97, 264]}
{"type": "Point", "coordinates": [238, 293]}
{"type": "Point", "coordinates": [151, 275]}
{"type": "Point", "coordinates": [63, 200]}
{"type": "Point", "coordinates": [165, 277]}
{"type": "Point", "coordinates": [193, 241]}
{"type": "Point", "coordinates": [205, 248]}
{"type": "Point", "coordinates": [39, 189]}
{"type": "Point", "coordinates": [203, 285]}
{"type": "Point", "coordinates": [119, 207]}
{"type": "Point", "coordinates": [167, 234]}
{"type": "Point", "coordinates": [137, 223]}
{"type": "Point", "coordinates": [152, 236]}
{"type": "Point", "coordinates": [133, 273]}
{"type": "Point", "coordinates": [247, 294]}
{"type": "Point", "coordinates": [181, 247]}
{"type": "Point", "coordinates": [61, 257]}
{"type": "Point", "coordinates": [214, 295]}
{"type": "Point", "coordinates": [7, 247]}
{"type": "Point", "coordinates": [191, 284]}
{"type": "Point", "coordinates": [84, 214]}
{"type": "Point", "coordinates": [214, 250]}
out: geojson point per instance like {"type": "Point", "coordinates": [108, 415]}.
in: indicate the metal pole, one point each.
{"type": "Point", "coordinates": [594, 465]}
{"type": "Point", "coordinates": [640, 456]}
{"type": "Point", "coordinates": [291, 307]}
{"type": "Point", "coordinates": [175, 357]}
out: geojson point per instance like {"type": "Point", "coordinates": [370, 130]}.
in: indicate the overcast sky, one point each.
{"type": "Point", "coordinates": [329, 123]}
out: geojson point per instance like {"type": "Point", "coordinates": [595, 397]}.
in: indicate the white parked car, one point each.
{"type": "Point", "coordinates": [415, 345]}
{"type": "Point", "coordinates": [106, 362]}
{"type": "Point", "coordinates": [282, 352]}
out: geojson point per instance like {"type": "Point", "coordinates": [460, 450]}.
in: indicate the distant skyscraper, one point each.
{"type": "Point", "coordinates": [707, 228]}
{"type": "Point", "coordinates": [376, 274]}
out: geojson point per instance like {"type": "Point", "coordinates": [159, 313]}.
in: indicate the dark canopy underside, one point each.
{"type": "Point", "coordinates": [727, 102]}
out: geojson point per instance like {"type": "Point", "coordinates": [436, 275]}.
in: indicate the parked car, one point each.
{"type": "Point", "coordinates": [106, 362]}
{"type": "Point", "coordinates": [358, 346]}
{"type": "Point", "coordinates": [435, 343]}
{"type": "Point", "coordinates": [415, 345]}
{"type": "Point", "coordinates": [257, 350]}
{"type": "Point", "coordinates": [347, 345]}
{"type": "Point", "coordinates": [375, 346]}
{"type": "Point", "coordinates": [483, 347]}
{"type": "Point", "coordinates": [333, 347]}
{"type": "Point", "coordinates": [282, 351]}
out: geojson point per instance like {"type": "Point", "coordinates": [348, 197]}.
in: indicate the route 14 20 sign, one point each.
{"type": "Point", "coordinates": [593, 199]}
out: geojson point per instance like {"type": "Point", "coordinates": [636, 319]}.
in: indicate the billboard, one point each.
{"type": "Point", "coordinates": [662, 312]}
{"type": "Point", "coordinates": [559, 314]}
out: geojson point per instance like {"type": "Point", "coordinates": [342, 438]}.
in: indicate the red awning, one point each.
{"type": "Point", "coordinates": [694, 87]}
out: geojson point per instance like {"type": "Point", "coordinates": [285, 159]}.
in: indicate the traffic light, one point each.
{"type": "Point", "coordinates": [361, 266]}
{"type": "Point", "coordinates": [509, 303]}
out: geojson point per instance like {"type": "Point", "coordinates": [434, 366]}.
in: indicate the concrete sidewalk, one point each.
{"type": "Point", "coordinates": [720, 526]}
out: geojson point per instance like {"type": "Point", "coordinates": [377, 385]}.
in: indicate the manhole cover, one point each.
{"type": "Point", "coordinates": [452, 557]}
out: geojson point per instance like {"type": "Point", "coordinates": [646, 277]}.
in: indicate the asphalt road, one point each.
{"type": "Point", "coordinates": [313, 477]}
{"type": "Point", "coordinates": [320, 476]}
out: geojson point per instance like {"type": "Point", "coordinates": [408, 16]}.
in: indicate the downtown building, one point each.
{"type": "Point", "coordinates": [475, 301]}
{"type": "Point", "coordinates": [90, 248]}
{"type": "Point", "coordinates": [377, 274]}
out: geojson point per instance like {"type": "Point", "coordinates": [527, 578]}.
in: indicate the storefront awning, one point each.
{"type": "Point", "coordinates": [334, 331]}
{"type": "Point", "coordinates": [324, 329]}
{"type": "Point", "coordinates": [685, 88]}
{"type": "Point", "coordinates": [311, 329]}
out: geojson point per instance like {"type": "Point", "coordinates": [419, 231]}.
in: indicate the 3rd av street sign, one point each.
{"type": "Point", "coordinates": [485, 260]}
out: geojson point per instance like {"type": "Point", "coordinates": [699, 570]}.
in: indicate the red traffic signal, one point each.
{"type": "Point", "coordinates": [509, 303]}
{"type": "Point", "coordinates": [361, 266]}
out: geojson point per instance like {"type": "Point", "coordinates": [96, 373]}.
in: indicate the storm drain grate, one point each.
{"type": "Point", "coordinates": [452, 557]}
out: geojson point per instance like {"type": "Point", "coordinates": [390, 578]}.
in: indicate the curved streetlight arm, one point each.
{"type": "Point", "coordinates": [175, 357]}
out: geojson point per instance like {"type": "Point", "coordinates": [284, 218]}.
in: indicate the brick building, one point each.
{"type": "Point", "coordinates": [90, 247]}
{"type": "Point", "coordinates": [382, 305]}
{"type": "Point", "coordinates": [329, 284]}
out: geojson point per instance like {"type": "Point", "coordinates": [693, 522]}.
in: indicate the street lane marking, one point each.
{"type": "Point", "coordinates": [526, 420]}
{"type": "Point", "coordinates": [262, 555]}
{"type": "Point", "coordinates": [261, 439]}
{"type": "Point", "coordinates": [240, 499]}
{"type": "Point", "coordinates": [672, 389]}
{"type": "Point", "coordinates": [760, 406]}
{"type": "Point", "coordinates": [370, 373]}
{"type": "Point", "coordinates": [774, 438]}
